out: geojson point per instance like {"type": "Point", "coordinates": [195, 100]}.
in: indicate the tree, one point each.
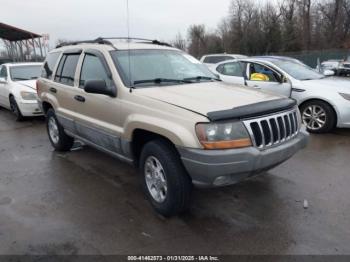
{"type": "Point", "coordinates": [179, 42]}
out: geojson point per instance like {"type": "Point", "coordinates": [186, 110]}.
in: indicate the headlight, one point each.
{"type": "Point", "coordinates": [345, 96]}
{"type": "Point", "coordinates": [28, 95]}
{"type": "Point", "coordinates": [223, 135]}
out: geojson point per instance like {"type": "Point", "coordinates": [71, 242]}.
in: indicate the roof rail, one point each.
{"type": "Point", "coordinates": [95, 41]}
{"type": "Point", "coordinates": [142, 40]}
{"type": "Point", "coordinates": [105, 41]}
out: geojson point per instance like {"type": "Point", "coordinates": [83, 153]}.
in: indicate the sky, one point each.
{"type": "Point", "coordinates": [89, 19]}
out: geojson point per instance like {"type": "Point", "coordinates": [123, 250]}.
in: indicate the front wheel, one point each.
{"type": "Point", "coordinates": [318, 116]}
{"type": "Point", "coordinates": [164, 178]}
{"type": "Point", "coordinates": [58, 138]}
{"type": "Point", "coordinates": [15, 109]}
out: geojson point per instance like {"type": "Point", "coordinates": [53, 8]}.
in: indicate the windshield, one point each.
{"type": "Point", "coordinates": [297, 70]}
{"type": "Point", "coordinates": [159, 67]}
{"type": "Point", "coordinates": [21, 73]}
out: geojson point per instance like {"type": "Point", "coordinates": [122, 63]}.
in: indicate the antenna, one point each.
{"type": "Point", "coordinates": [128, 28]}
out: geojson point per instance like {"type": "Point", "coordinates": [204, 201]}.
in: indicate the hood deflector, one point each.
{"type": "Point", "coordinates": [253, 110]}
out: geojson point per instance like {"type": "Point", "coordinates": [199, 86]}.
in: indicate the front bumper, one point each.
{"type": "Point", "coordinates": [30, 108]}
{"type": "Point", "coordinates": [211, 168]}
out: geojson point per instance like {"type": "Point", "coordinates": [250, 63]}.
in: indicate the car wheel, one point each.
{"type": "Point", "coordinates": [165, 180]}
{"type": "Point", "coordinates": [15, 109]}
{"type": "Point", "coordinates": [58, 138]}
{"type": "Point", "coordinates": [318, 116]}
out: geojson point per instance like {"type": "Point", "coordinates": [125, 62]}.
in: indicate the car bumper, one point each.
{"type": "Point", "coordinates": [212, 168]}
{"type": "Point", "coordinates": [30, 108]}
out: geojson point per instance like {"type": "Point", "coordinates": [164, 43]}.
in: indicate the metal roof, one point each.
{"type": "Point", "coordinates": [12, 33]}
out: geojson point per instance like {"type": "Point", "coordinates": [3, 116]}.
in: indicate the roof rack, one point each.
{"type": "Point", "coordinates": [141, 40]}
{"type": "Point", "coordinates": [105, 41]}
{"type": "Point", "coordinates": [95, 41]}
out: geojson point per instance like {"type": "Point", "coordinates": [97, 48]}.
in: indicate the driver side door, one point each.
{"type": "Point", "coordinates": [263, 77]}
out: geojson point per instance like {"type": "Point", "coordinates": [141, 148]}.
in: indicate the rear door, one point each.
{"type": "Point", "coordinates": [264, 77]}
{"type": "Point", "coordinates": [64, 87]}
{"type": "Point", "coordinates": [98, 118]}
{"type": "Point", "coordinates": [231, 72]}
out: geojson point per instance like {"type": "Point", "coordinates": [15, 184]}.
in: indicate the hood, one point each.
{"type": "Point", "coordinates": [30, 85]}
{"type": "Point", "coordinates": [329, 83]}
{"type": "Point", "coordinates": [206, 97]}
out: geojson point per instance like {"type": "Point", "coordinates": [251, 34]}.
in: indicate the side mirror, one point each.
{"type": "Point", "coordinates": [99, 87]}
{"type": "Point", "coordinates": [284, 79]}
{"type": "Point", "coordinates": [3, 80]}
{"type": "Point", "coordinates": [328, 72]}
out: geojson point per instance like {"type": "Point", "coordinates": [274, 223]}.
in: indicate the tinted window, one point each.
{"type": "Point", "coordinates": [22, 73]}
{"type": "Point", "coordinates": [93, 69]}
{"type": "Point", "coordinates": [231, 69]}
{"type": "Point", "coordinates": [49, 65]}
{"type": "Point", "coordinates": [216, 59]}
{"type": "Point", "coordinates": [3, 72]}
{"type": "Point", "coordinates": [66, 69]}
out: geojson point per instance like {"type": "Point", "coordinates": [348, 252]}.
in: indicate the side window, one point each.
{"type": "Point", "coordinates": [93, 69]}
{"type": "Point", "coordinates": [3, 72]}
{"type": "Point", "coordinates": [66, 69]}
{"type": "Point", "coordinates": [49, 65]}
{"type": "Point", "coordinates": [262, 73]}
{"type": "Point", "coordinates": [232, 69]}
{"type": "Point", "coordinates": [216, 59]}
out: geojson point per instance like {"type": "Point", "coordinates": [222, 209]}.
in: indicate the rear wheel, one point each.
{"type": "Point", "coordinates": [164, 178]}
{"type": "Point", "coordinates": [58, 138]}
{"type": "Point", "coordinates": [15, 109]}
{"type": "Point", "coordinates": [318, 116]}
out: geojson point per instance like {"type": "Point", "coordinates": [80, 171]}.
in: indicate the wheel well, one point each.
{"type": "Point", "coordinates": [320, 100]}
{"type": "Point", "coordinates": [46, 107]}
{"type": "Point", "coordinates": [140, 137]}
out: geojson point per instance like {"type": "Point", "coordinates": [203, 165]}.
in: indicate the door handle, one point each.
{"type": "Point", "coordinates": [53, 90]}
{"type": "Point", "coordinates": [257, 87]}
{"type": "Point", "coordinates": [80, 98]}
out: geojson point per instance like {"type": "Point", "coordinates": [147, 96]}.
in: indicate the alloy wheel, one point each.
{"type": "Point", "coordinates": [314, 117]}
{"type": "Point", "coordinates": [155, 179]}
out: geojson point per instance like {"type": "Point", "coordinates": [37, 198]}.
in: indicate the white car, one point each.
{"type": "Point", "coordinates": [324, 101]}
{"type": "Point", "coordinates": [211, 60]}
{"type": "Point", "coordinates": [18, 88]}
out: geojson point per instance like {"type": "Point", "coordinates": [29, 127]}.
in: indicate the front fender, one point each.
{"type": "Point", "coordinates": [179, 134]}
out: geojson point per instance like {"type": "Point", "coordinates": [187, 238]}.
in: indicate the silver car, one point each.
{"type": "Point", "coordinates": [324, 101]}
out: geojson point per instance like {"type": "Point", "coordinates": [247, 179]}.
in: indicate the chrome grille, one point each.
{"type": "Point", "coordinates": [273, 130]}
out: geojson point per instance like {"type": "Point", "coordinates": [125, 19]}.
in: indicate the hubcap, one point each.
{"type": "Point", "coordinates": [155, 179]}
{"type": "Point", "coordinates": [314, 117]}
{"type": "Point", "coordinates": [53, 130]}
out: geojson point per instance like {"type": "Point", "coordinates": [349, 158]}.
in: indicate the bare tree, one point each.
{"type": "Point", "coordinates": [179, 42]}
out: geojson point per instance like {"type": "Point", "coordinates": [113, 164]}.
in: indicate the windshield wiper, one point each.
{"type": "Point", "coordinates": [160, 80]}
{"type": "Point", "coordinates": [199, 78]}
{"type": "Point", "coordinates": [20, 79]}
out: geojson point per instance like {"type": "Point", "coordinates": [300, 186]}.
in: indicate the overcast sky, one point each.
{"type": "Point", "coordinates": [86, 19]}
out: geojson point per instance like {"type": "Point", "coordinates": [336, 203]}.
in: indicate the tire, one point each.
{"type": "Point", "coordinates": [58, 138]}
{"type": "Point", "coordinates": [176, 197]}
{"type": "Point", "coordinates": [15, 109]}
{"type": "Point", "coordinates": [320, 112]}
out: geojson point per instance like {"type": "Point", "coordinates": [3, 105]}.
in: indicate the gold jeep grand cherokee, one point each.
{"type": "Point", "coordinates": [159, 108]}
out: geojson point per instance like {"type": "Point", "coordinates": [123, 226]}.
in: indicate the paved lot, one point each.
{"type": "Point", "coordinates": [85, 202]}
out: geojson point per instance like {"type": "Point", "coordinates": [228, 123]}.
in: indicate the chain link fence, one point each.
{"type": "Point", "coordinates": [311, 57]}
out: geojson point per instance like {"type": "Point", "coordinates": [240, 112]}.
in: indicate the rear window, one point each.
{"type": "Point", "coordinates": [216, 59]}
{"type": "Point", "coordinates": [66, 69]}
{"type": "Point", "coordinates": [49, 65]}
